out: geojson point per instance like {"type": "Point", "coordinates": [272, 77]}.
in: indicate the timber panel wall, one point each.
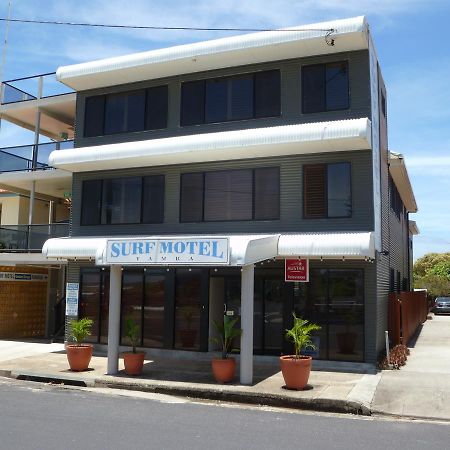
{"type": "Point", "coordinates": [22, 305]}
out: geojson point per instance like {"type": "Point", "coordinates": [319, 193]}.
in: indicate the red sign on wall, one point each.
{"type": "Point", "coordinates": [296, 270]}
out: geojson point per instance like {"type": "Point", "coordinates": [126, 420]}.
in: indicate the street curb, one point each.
{"type": "Point", "coordinates": [410, 417]}
{"type": "Point", "coordinates": [243, 397]}
{"type": "Point", "coordinates": [220, 393]}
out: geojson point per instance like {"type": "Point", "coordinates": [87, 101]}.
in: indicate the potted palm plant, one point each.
{"type": "Point", "coordinates": [296, 368]}
{"type": "Point", "coordinates": [224, 368]}
{"type": "Point", "coordinates": [79, 354]}
{"type": "Point", "coordinates": [134, 360]}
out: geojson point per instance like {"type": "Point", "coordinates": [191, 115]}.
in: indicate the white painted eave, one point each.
{"type": "Point", "coordinates": [306, 40]}
{"type": "Point", "coordinates": [358, 245]}
{"type": "Point", "coordinates": [399, 174]}
{"type": "Point", "coordinates": [21, 259]}
{"type": "Point", "coordinates": [308, 138]}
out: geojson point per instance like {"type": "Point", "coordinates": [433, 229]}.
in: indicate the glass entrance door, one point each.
{"type": "Point", "coordinates": [268, 323]}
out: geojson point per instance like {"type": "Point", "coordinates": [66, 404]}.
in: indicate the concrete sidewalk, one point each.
{"type": "Point", "coordinates": [327, 391]}
{"type": "Point", "coordinates": [422, 387]}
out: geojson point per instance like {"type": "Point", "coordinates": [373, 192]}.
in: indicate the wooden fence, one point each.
{"type": "Point", "coordinates": [406, 311]}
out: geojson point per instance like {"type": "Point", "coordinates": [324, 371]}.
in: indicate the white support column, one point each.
{"type": "Point", "coordinates": [115, 288]}
{"type": "Point", "coordinates": [247, 301]}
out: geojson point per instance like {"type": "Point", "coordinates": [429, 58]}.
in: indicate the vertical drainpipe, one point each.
{"type": "Point", "coordinates": [247, 306]}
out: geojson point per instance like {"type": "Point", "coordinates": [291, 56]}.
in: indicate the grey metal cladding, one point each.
{"type": "Point", "coordinates": [290, 99]}
{"type": "Point", "coordinates": [291, 198]}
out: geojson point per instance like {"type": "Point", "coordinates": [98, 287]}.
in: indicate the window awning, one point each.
{"type": "Point", "coordinates": [294, 42]}
{"type": "Point", "coordinates": [243, 249]}
{"type": "Point", "coordinates": [359, 245]}
{"type": "Point", "coordinates": [335, 136]}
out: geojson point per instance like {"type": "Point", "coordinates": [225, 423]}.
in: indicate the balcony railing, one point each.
{"type": "Point", "coordinates": [19, 238]}
{"type": "Point", "coordinates": [13, 159]}
{"type": "Point", "coordinates": [27, 88]}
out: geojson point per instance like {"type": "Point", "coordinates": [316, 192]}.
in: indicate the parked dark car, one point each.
{"type": "Point", "coordinates": [442, 305]}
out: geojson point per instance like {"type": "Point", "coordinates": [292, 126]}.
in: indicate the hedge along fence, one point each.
{"type": "Point", "coordinates": [406, 311]}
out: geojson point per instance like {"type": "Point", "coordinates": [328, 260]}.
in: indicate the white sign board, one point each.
{"type": "Point", "coordinates": [200, 251]}
{"type": "Point", "coordinates": [72, 290]}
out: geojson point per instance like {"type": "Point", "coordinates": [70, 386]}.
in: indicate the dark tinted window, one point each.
{"type": "Point", "coordinates": [192, 103]}
{"type": "Point", "coordinates": [216, 100]}
{"type": "Point", "coordinates": [91, 202]}
{"type": "Point", "coordinates": [125, 112]}
{"type": "Point", "coordinates": [327, 190]}
{"type": "Point", "coordinates": [231, 98]}
{"type": "Point", "coordinates": [336, 83]}
{"type": "Point", "coordinates": [157, 103]}
{"type": "Point", "coordinates": [240, 98]}
{"type": "Point", "coordinates": [313, 88]}
{"type": "Point", "coordinates": [267, 94]}
{"type": "Point", "coordinates": [191, 207]}
{"type": "Point", "coordinates": [121, 201]}
{"type": "Point", "coordinates": [153, 199]}
{"type": "Point", "coordinates": [267, 193]}
{"type": "Point", "coordinates": [339, 190]}
{"type": "Point", "coordinates": [325, 87]}
{"type": "Point", "coordinates": [93, 116]}
{"type": "Point", "coordinates": [228, 195]}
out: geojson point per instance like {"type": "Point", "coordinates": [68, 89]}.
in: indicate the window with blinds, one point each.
{"type": "Point", "coordinates": [243, 194]}
{"type": "Point", "coordinates": [241, 97]}
{"type": "Point", "coordinates": [327, 190]}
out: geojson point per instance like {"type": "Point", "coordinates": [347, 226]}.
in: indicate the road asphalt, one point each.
{"type": "Point", "coordinates": [421, 389]}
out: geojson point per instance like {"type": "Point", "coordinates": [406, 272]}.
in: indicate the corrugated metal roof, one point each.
{"type": "Point", "coordinates": [348, 34]}
{"type": "Point", "coordinates": [342, 135]}
{"type": "Point", "coordinates": [244, 249]}
{"type": "Point", "coordinates": [328, 245]}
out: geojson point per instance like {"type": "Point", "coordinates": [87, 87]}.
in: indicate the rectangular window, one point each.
{"type": "Point", "coordinates": [228, 195]}
{"type": "Point", "coordinates": [126, 112]}
{"type": "Point", "coordinates": [156, 108]}
{"type": "Point", "coordinates": [267, 193]}
{"type": "Point", "coordinates": [191, 207]}
{"type": "Point", "coordinates": [242, 194]}
{"type": "Point", "coordinates": [192, 103]}
{"type": "Point", "coordinates": [123, 200]}
{"type": "Point", "coordinates": [325, 87]}
{"type": "Point", "coordinates": [231, 98]}
{"type": "Point", "coordinates": [327, 190]}
{"type": "Point", "coordinates": [153, 199]}
{"type": "Point", "coordinates": [93, 116]}
{"type": "Point", "coordinates": [91, 199]}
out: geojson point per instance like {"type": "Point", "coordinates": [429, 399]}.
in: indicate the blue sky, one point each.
{"type": "Point", "coordinates": [410, 36]}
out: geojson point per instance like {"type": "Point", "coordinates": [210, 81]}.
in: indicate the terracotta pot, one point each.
{"type": "Point", "coordinates": [295, 371]}
{"type": "Point", "coordinates": [79, 356]}
{"type": "Point", "coordinates": [133, 362]}
{"type": "Point", "coordinates": [223, 369]}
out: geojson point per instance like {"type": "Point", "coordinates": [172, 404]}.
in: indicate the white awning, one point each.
{"type": "Point", "coordinates": [244, 249]}
{"type": "Point", "coordinates": [328, 245]}
{"type": "Point", "coordinates": [335, 136]}
{"type": "Point", "coordinates": [306, 40]}
{"type": "Point", "coordinates": [399, 173]}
